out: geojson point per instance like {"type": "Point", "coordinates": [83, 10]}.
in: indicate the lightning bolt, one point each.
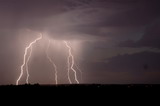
{"type": "Point", "coordinates": [79, 71]}
{"type": "Point", "coordinates": [27, 65]}
{"type": "Point", "coordinates": [51, 61]}
{"type": "Point", "coordinates": [77, 66]}
{"type": "Point", "coordinates": [24, 57]}
{"type": "Point", "coordinates": [71, 65]}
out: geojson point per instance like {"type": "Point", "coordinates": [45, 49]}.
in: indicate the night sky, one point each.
{"type": "Point", "coordinates": [113, 41]}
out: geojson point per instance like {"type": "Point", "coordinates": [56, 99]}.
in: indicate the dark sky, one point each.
{"type": "Point", "coordinates": [114, 41]}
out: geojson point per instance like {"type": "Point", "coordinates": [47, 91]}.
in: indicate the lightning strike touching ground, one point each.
{"type": "Point", "coordinates": [52, 62]}
{"type": "Point", "coordinates": [71, 65]}
{"type": "Point", "coordinates": [79, 70]}
{"type": "Point", "coordinates": [68, 73]}
{"type": "Point", "coordinates": [24, 57]}
{"type": "Point", "coordinates": [27, 65]}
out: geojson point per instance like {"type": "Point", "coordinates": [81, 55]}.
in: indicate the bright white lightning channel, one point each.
{"type": "Point", "coordinates": [52, 62]}
{"type": "Point", "coordinates": [27, 65]}
{"type": "Point", "coordinates": [24, 58]}
{"type": "Point", "coordinates": [79, 70]}
{"type": "Point", "coordinates": [71, 65]}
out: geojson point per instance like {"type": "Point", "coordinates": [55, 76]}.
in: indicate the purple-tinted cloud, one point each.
{"type": "Point", "coordinates": [140, 68]}
{"type": "Point", "coordinates": [102, 25]}
{"type": "Point", "coordinates": [149, 39]}
{"type": "Point", "coordinates": [80, 19]}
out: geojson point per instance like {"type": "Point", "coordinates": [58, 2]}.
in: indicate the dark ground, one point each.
{"type": "Point", "coordinates": [81, 91]}
{"type": "Point", "coordinates": [85, 86]}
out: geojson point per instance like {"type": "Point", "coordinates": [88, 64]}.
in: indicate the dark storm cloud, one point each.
{"type": "Point", "coordinates": [117, 20]}
{"type": "Point", "coordinates": [140, 67]}
{"type": "Point", "coordinates": [150, 38]}
{"type": "Point", "coordinates": [27, 14]}
{"type": "Point", "coordinates": [135, 62]}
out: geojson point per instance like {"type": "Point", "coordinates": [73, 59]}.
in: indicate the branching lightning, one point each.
{"type": "Point", "coordinates": [24, 57]}
{"type": "Point", "coordinates": [79, 70]}
{"type": "Point", "coordinates": [71, 65]}
{"type": "Point", "coordinates": [52, 62]}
